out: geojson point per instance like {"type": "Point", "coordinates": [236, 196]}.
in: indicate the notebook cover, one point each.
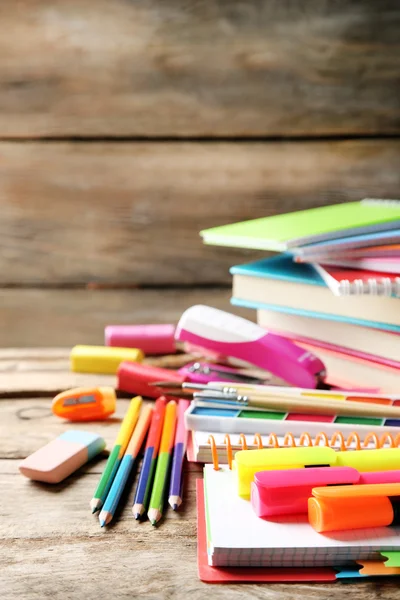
{"type": "Point", "coordinates": [280, 232]}
{"type": "Point", "coordinates": [345, 281]}
{"type": "Point", "coordinates": [250, 575]}
{"type": "Point", "coordinates": [349, 243]}
{"type": "Point", "coordinates": [281, 267]}
{"type": "Point", "coordinates": [317, 315]}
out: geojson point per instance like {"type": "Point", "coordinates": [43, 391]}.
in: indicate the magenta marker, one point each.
{"type": "Point", "coordinates": [151, 339]}
{"type": "Point", "coordinates": [236, 337]}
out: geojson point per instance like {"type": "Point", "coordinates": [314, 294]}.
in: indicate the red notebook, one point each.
{"type": "Point", "coordinates": [243, 574]}
{"type": "Point", "coordinates": [354, 282]}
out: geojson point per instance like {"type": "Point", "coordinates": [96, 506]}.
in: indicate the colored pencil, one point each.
{"type": "Point", "coordinates": [125, 468]}
{"type": "Point", "coordinates": [181, 437]}
{"type": "Point", "coordinates": [113, 462]}
{"type": "Point", "coordinates": [163, 463]}
{"type": "Point", "coordinates": [146, 476]}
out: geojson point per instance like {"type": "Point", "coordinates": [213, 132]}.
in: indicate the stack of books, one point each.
{"type": "Point", "coordinates": [334, 287]}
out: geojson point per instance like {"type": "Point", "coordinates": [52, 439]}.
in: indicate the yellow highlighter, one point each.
{"type": "Point", "coordinates": [385, 459]}
{"type": "Point", "coordinates": [249, 462]}
{"type": "Point", "coordinates": [102, 359]}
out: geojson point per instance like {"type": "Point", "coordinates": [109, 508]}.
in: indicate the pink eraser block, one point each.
{"type": "Point", "coordinates": [152, 339]}
{"type": "Point", "coordinates": [61, 457]}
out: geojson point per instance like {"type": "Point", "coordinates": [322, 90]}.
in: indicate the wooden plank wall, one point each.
{"type": "Point", "coordinates": [126, 127]}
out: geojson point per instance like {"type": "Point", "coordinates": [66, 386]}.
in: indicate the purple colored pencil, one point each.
{"type": "Point", "coordinates": [181, 437]}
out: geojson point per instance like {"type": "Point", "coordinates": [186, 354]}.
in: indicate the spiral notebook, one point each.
{"type": "Point", "coordinates": [355, 282]}
{"type": "Point", "coordinates": [207, 447]}
{"type": "Point", "coordinates": [236, 537]}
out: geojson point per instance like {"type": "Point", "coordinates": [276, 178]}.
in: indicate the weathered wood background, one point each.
{"type": "Point", "coordinates": [126, 127]}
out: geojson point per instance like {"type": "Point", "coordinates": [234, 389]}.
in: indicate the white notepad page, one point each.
{"type": "Point", "coordinates": [237, 537]}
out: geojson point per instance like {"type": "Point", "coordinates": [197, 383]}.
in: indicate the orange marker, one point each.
{"type": "Point", "coordinates": [354, 506]}
{"type": "Point", "coordinates": [85, 404]}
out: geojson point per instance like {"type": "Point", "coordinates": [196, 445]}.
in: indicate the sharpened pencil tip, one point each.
{"type": "Point", "coordinates": [137, 516]}
{"type": "Point", "coordinates": [153, 522]}
{"type": "Point", "coordinates": [175, 507]}
{"type": "Point", "coordinates": [102, 523]}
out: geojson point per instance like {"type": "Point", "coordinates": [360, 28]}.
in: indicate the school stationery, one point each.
{"type": "Point", "coordinates": [114, 460]}
{"type": "Point", "coordinates": [138, 379]}
{"type": "Point", "coordinates": [348, 370]}
{"type": "Point", "coordinates": [382, 265]}
{"type": "Point", "coordinates": [218, 448]}
{"type": "Point", "coordinates": [249, 462]}
{"type": "Point", "coordinates": [355, 282]}
{"type": "Point", "coordinates": [85, 403]}
{"type": "Point", "coordinates": [181, 436]}
{"type": "Point", "coordinates": [125, 467]}
{"type": "Point", "coordinates": [102, 359]}
{"type": "Point", "coordinates": [287, 492]}
{"type": "Point", "coordinates": [354, 507]}
{"type": "Point", "coordinates": [200, 372]}
{"type": "Point", "coordinates": [59, 458]}
{"type": "Point", "coordinates": [319, 251]}
{"type": "Point", "coordinates": [211, 574]}
{"type": "Point", "coordinates": [236, 537]}
{"type": "Point", "coordinates": [143, 489]}
{"type": "Point", "coordinates": [280, 284]}
{"type": "Point", "coordinates": [281, 232]}
{"type": "Point", "coordinates": [233, 336]}
{"type": "Point", "coordinates": [372, 344]}
{"type": "Point", "coordinates": [151, 339]}
{"type": "Point", "coordinates": [270, 398]}
{"type": "Point", "coordinates": [163, 463]}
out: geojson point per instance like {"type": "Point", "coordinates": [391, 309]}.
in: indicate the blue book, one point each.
{"type": "Point", "coordinates": [280, 284]}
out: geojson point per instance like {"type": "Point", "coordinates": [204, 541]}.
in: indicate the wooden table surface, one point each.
{"type": "Point", "coordinates": [51, 545]}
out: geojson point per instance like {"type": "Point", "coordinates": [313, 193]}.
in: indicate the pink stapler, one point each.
{"type": "Point", "coordinates": [236, 337]}
{"type": "Point", "coordinates": [287, 492]}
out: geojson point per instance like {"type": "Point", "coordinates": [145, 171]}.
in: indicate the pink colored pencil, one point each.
{"type": "Point", "coordinates": [181, 437]}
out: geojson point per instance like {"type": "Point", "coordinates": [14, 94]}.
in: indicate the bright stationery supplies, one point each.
{"type": "Point", "coordinates": [163, 463]}
{"type": "Point", "coordinates": [354, 507]}
{"type": "Point", "coordinates": [85, 403]}
{"type": "Point", "coordinates": [137, 379]}
{"type": "Point", "coordinates": [249, 462]}
{"type": "Point", "coordinates": [236, 537]}
{"type": "Point", "coordinates": [102, 359]}
{"type": "Point", "coordinates": [181, 437]}
{"type": "Point", "coordinates": [125, 468]}
{"type": "Point", "coordinates": [282, 285]}
{"type": "Point", "coordinates": [233, 336]}
{"type": "Point", "coordinates": [61, 457]}
{"type": "Point", "coordinates": [287, 492]}
{"type": "Point", "coordinates": [349, 282]}
{"type": "Point", "coordinates": [268, 398]}
{"type": "Point", "coordinates": [223, 418]}
{"type": "Point", "coordinates": [199, 372]}
{"type": "Point", "coordinates": [143, 489]}
{"type": "Point", "coordinates": [124, 435]}
{"type": "Point", "coordinates": [151, 339]}
{"type": "Point", "coordinates": [280, 232]}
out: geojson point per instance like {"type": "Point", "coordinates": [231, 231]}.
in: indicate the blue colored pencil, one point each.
{"type": "Point", "coordinates": [125, 468]}
{"type": "Point", "coordinates": [143, 489]}
{"type": "Point", "coordinates": [181, 436]}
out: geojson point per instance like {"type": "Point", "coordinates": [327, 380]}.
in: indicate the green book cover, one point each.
{"type": "Point", "coordinates": [282, 232]}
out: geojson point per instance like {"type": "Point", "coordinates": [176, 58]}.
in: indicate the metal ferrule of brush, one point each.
{"type": "Point", "coordinates": [218, 395]}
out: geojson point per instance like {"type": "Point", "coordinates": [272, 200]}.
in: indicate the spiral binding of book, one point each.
{"type": "Point", "coordinates": [337, 441]}
{"type": "Point", "coordinates": [375, 287]}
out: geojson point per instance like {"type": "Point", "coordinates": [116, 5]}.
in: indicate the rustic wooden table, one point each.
{"type": "Point", "coordinates": [51, 545]}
